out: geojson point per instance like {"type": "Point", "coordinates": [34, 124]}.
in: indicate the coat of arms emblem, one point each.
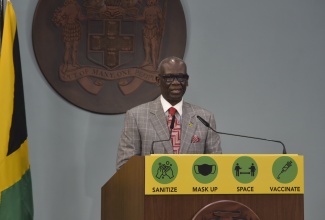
{"type": "Point", "coordinates": [102, 55]}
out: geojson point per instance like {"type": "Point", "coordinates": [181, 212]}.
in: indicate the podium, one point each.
{"type": "Point", "coordinates": [134, 193]}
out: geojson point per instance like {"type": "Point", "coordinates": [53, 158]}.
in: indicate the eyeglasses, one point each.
{"type": "Point", "coordinates": [169, 78]}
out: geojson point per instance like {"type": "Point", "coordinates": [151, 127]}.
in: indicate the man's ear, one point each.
{"type": "Point", "coordinates": [157, 80]}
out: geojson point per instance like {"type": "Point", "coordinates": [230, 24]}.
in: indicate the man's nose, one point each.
{"type": "Point", "coordinates": [175, 81]}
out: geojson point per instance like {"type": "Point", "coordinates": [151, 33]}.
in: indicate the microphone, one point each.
{"type": "Point", "coordinates": [172, 124]}
{"type": "Point", "coordinates": [237, 135]}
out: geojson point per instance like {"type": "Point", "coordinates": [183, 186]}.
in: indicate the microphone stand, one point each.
{"type": "Point", "coordinates": [172, 124]}
{"type": "Point", "coordinates": [238, 135]}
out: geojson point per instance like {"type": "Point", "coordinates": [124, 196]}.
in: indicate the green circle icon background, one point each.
{"type": "Point", "coordinates": [285, 169]}
{"type": "Point", "coordinates": [164, 170]}
{"type": "Point", "coordinates": [205, 169]}
{"type": "Point", "coordinates": [245, 169]}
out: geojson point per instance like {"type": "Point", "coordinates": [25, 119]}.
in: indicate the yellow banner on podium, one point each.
{"type": "Point", "coordinates": [224, 174]}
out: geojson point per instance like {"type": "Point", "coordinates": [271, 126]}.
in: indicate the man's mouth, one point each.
{"type": "Point", "coordinates": [175, 91]}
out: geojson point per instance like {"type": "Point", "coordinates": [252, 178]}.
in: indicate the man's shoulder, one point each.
{"type": "Point", "coordinates": [197, 109]}
{"type": "Point", "coordinates": [143, 107]}
{"type": "Point", "coordinates": [139, 108]}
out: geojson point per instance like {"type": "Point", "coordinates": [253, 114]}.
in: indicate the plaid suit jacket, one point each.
{"type": "Point", "coordinates": [147, 123]}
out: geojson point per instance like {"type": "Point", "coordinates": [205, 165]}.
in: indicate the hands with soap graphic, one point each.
{"type": "Point", "coordinates": [165, 170]}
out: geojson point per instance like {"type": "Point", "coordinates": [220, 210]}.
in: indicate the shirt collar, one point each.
{"type": "Point", "coordinates": [166, 105]}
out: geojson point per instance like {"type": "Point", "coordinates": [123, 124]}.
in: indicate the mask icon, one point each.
{"type": "Point", "coordinates": [205, 169]}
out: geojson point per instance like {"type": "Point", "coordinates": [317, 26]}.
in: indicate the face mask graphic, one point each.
{"type": "Point", "coordinates": [204, 169]}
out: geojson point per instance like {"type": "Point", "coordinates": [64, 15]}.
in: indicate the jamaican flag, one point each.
{"type": "Point", "coordinates": [16, 202]}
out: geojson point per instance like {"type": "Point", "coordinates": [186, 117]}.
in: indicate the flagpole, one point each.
{"type": "Point", "coordinates": [1, 19]}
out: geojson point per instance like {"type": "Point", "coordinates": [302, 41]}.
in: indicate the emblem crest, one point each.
{"type": "Point", "coordinates": [102, 55]}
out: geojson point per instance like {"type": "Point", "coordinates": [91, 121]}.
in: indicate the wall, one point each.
{"type": "Point", "coordinates": [258, 65]}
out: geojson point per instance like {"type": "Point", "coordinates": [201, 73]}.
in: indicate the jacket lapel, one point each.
{"type": "Point", "coordinates": [159, 122]}
{"type": "Point", "coordinates": [188, 127]}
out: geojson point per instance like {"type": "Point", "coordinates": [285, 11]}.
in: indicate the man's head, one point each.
{"type": "Point", "coordinates": [172, 79]}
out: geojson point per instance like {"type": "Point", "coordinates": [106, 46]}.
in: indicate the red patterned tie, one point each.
{"type": "Point", "coordinates": [176, 133]}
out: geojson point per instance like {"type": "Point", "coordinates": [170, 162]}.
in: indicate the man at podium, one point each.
{"type": "Point", "coordinates": [168, 124]}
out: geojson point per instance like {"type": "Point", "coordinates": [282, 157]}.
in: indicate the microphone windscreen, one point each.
{"type": "Point", "coordinates": [172, 123]}
{"type": "Point", "coordinates": [203, 121]}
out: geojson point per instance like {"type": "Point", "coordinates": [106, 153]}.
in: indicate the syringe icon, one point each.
{"type": "Point", "coordinates": [285, 168]}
